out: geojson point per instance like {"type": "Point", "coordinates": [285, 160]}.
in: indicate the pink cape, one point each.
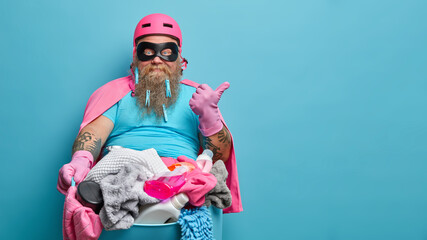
{"type": "Point", "coordinates": [110, 93]}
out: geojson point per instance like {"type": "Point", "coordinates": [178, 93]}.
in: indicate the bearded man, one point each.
{"type": "Point", "coordinates": [153, 108]}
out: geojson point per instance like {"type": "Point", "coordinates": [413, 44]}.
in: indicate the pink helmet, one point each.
{"type": "Point", "coordinates": [158, 23]}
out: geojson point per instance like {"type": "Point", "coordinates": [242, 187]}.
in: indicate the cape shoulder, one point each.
{"type": "Point", "coordinates": [120, 83]}
{"type": "Point", "coordinates": [105, 97]}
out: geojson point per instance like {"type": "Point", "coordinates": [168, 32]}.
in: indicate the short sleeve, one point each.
{"type": "Point", "coordinates": [111, 113]}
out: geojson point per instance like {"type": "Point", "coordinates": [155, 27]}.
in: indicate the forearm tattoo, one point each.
{"type": "Point", "coordinates": [224, 141]}
{"type": "Point", "coordinates": [207, 144]}
{"type": "Point", "coordinates": [87, 141]}
{"type": "Point", "coordinates": [224, 136]}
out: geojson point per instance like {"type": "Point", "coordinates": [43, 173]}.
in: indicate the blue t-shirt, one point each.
{"type": "Point", "coordinates": [178, 136]}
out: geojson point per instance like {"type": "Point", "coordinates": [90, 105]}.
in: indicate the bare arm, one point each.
{"type": "Point", "coordinates": [219, 144]}
{"type": "Point", "coordinates": [93, 136]}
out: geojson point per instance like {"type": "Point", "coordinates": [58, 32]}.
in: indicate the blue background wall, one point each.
{"type": "Point", "coordinates": [327, 105]}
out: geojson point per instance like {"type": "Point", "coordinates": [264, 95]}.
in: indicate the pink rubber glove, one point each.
{"type": "Point", "coordinates": [79, 167]}
{"type": "Point", "coordinates": [79, 222]}
{"type": "Point", "coordinates": [204, 103]}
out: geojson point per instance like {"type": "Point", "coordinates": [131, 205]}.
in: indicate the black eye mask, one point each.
{"type": "Point", "coordinates": [157, 48]}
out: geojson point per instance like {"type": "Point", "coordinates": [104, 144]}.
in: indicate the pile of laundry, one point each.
{"type": "Point", "coordinates": [112, 196]}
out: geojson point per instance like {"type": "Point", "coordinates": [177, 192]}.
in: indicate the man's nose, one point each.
{"type": "Point", "coordinates": [157, 60]}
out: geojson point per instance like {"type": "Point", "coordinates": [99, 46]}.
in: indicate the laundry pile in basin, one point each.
{"type": "Point", "coordinates": [128, 187]}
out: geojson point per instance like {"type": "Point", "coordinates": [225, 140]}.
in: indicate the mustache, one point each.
{"type": "Point", "coordinates": [151, 68]}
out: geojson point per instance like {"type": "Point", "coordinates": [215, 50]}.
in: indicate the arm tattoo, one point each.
{"type": "Point", "coordinates": [81, 139]}
{"type": "Point", "coordinates": [87, 141]}
{"type": "Point", "coordinates": [224, 136]}
{"type": "Point", "coordinates": [215, 149]}
{"type": "Point", "coordinates": [95, 148]}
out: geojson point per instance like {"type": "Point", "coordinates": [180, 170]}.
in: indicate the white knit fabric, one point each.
{"type": "Point", "coordinates": [119, 156]}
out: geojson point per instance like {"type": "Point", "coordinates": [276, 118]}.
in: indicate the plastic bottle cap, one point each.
{"type": "Point", "coordinates": [90, 192]}
{"type": "Point", "coordinates": [208, 152]}
{"type": "Point", "coordinates": [179, 200]}
{"type": "Point", "coordinates": [206, 155]}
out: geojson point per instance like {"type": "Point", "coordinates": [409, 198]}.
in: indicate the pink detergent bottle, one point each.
{"type": "Point", "coordinates": [166, 184]}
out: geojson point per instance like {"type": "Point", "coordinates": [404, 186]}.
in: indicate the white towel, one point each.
{"type": "Point", "coordinates": [119, 156]}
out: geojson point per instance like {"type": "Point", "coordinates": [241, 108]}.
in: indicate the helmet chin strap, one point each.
{"type": "Point", "coordinates": [135, 75]}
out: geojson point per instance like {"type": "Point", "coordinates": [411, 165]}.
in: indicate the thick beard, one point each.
{"type": "Point", "coordinates": [155, 82]}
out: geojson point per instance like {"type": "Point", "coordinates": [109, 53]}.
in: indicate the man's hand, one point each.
{"type": "Point", "coordinates": [215, 137]}
{"type": "Point", "coordinates": [86, 149]}
{"type": "Point", "coordinates": [79, 167]}
{"type": "Point", "coordinates": [204, 103]}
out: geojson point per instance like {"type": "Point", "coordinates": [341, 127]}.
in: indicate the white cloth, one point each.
{"type": "Point", "coordinates": [119, 156]}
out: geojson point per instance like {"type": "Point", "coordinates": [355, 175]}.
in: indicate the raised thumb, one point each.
{"type": "Point", "coordinates": [224, 86]}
